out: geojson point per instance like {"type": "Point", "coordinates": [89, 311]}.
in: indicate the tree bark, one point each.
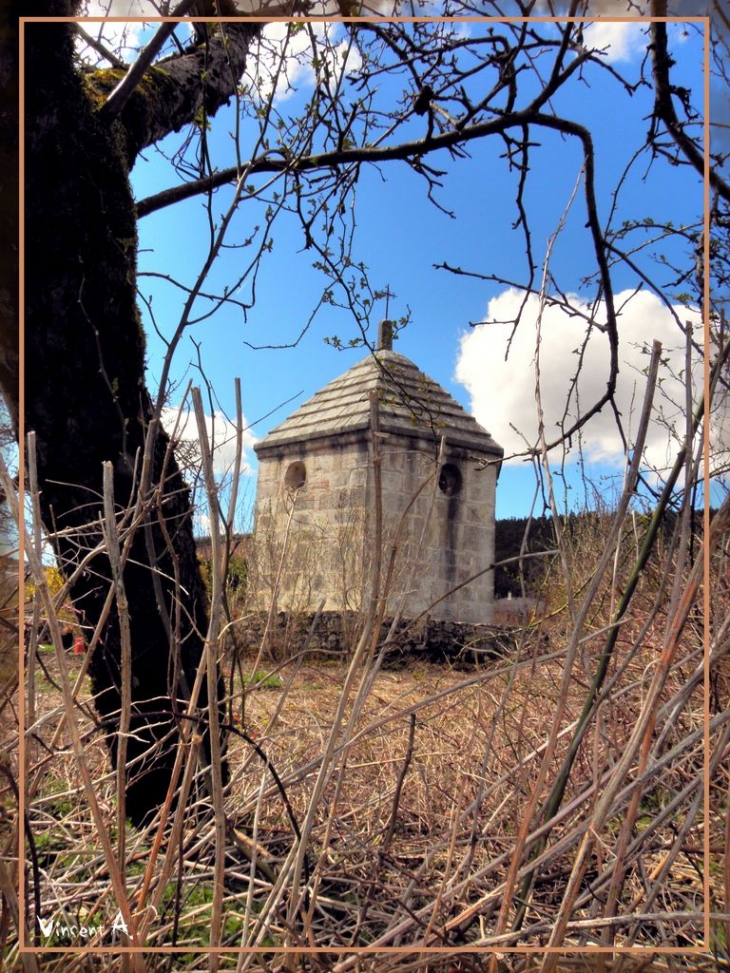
{"type": "Point", "coordinates": [85, 392]}
{"type": "Point", "coordinates": [9, 93]}
{"type": "Point", "coordinates": [177, 90]}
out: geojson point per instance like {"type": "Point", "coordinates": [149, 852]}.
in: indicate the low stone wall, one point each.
{"type": "Point", "coordinates": [335, 635]}
{"type": "Point", "coordinates": [515, 611]}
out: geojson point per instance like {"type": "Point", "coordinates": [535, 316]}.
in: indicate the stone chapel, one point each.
{"type": "Point", "coordinates": [316, 497]}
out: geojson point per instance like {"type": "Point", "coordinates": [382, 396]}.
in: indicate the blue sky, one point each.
{"type": "Point", "coordinates": [400, 236]}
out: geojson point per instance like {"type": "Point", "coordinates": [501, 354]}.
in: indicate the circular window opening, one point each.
{"type": "Point", "coordinates": [296, 476]}
{"type": "Point", "coordinates": [449, 480]}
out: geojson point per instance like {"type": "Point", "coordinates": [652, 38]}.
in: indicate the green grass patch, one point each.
{"type": "Point", "coordinates": [265, 680]}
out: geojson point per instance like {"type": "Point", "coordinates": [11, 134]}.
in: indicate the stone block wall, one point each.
{"type": "Point", "coordinates": [448, 531]}
{"type": "Point", "coordinates": [333, 635]}
{"type": "Point", "coordinates": [310, 535]}
{"type": "Point", "coordinates": [314, 528]}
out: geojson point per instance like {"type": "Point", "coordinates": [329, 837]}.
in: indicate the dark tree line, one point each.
{"type": "Point", "coordinates": [517, 536]}
{"type": "Point", "coordinates": [513, 537]}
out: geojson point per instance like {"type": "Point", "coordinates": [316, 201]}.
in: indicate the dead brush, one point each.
{"type": "Point", "coordinates": [451, 815]}
{"type": "Point", "coordinates": [417, 826]}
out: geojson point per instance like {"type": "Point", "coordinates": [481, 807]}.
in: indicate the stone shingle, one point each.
{"type": "Point", "coordinates": [410, 403]}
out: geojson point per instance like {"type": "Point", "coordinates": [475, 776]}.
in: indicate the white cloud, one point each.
{"type": "Point", "coordinates": [503, 391]}
{"type": "Point", "coordinates": [625, 9]}
{"type": "Point", "coordinates": [221, 433]}
{"type": "Point", "coordinates": [295, 71]}
{"type": "Point", "coordinates": [320, 8]}
{"type": "Point", "coordinates": [121, 38]}
{"type": "Point", "coordinates": [264, 70]}
{"type": "Point", "coordinates": [621, 40]}
{"type": "Point", "coordinates": [120, 8]}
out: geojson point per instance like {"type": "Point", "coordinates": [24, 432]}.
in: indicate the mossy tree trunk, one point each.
{"type": "Point", "coordinates": [85, 392]}
{"type": "Point", "coordinates": [9, 94]}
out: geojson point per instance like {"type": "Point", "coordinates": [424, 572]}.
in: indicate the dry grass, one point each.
{"type": "Point", "coordinates": [411, 840]}
{"type": "Point", "coordinates": [453, 816]}
{"type": "Point", "coordinates": [460, 788]}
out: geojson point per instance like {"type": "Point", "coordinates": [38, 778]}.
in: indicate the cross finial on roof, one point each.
{"type": "Point", "coordinates": [388, 295]}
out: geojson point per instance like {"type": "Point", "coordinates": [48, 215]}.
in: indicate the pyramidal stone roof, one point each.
{"type": "Point", "coordinates": [409, 404]}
